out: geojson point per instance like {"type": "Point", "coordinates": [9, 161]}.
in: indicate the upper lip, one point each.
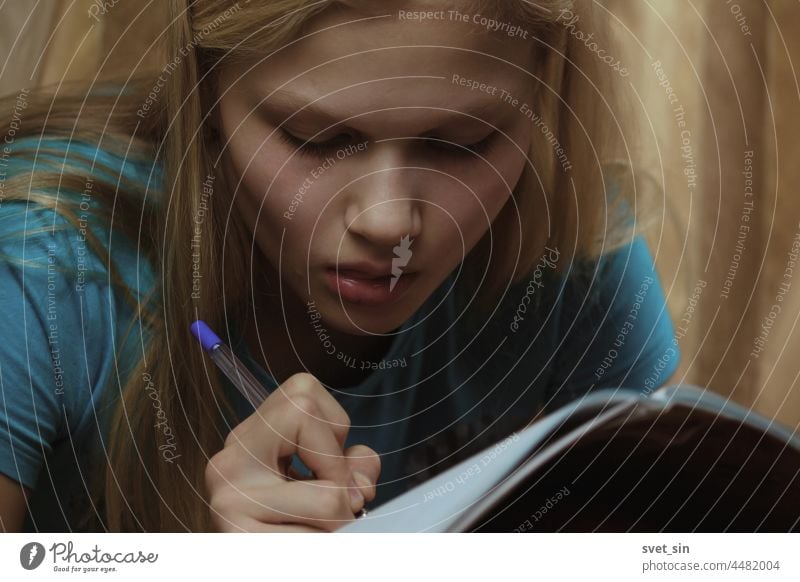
{"type": "Point", "coordinates": [367, 269]}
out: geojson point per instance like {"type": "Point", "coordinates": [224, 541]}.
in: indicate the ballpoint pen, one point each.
{"type": "Point", "coordinates": [233, 368]}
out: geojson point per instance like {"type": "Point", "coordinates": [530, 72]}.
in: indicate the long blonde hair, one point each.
{"type": "Point", "coordinates": [566, 208]}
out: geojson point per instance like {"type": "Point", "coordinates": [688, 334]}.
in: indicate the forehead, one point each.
{"type": "Point", "coordinates": [393, 58]}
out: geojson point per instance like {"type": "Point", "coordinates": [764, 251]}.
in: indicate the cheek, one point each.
{"type": "Point", "coordinates": [485, 190]}
{"type": "Point", "coordinates": [470, 208]}
{"type": "Point", "coordinates": [271, 191]}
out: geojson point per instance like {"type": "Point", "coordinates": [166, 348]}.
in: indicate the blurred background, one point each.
{"type": "Point", "coordinates": [729, 216]}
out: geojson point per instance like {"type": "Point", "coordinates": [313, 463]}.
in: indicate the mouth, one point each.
{"type": "Point", "coordinates": [367, 284]}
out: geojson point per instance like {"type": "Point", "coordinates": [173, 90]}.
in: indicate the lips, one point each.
{"type": "Point", "coordinates": [368, 284]}
{"type": "Point", "coordinates": [364, 270]}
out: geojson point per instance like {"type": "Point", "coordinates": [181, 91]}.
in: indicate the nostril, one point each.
{"type": "Point", "coordinates": [385, 223]}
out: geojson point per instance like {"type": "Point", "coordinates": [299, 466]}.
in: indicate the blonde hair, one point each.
{"type": "Point", "coordinates": [567, 209]}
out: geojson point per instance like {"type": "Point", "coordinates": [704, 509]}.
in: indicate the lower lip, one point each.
{"type": "Point", "coordinates": [365, 291]}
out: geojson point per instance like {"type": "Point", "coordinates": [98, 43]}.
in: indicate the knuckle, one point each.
{"type": "Point", "coordinates": [304, 393]}
{"type": "Point", "coordinates": [342, 418]}
{"type": "Point", "coordinates": [220, 469]}
{"type": "Point", "coordinates": [304, 405]}
{"type": "Point", "coordinates": [301, 383]}
{"type": "Point", "coordinates": [233, 436]}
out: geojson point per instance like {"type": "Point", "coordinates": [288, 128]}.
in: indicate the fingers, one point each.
{"type": "Point", "coordinates": [301, 402]}
{"type": "Point", "coordinates": [302, 387]}
{"type": "Point", "coordinates": [300, 417]}
{"type": "Point", "coordinates": [366, 466]}
{"type": "Point", "coordinates": [319, 450]}
{"type": "Point", "coordinates": [316, 504]}
{"type": "Point", "coordinates": [251, 484]}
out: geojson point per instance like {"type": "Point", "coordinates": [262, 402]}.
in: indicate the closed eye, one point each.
{"type": "Point", "coordinates": [450, 149]}
{"type": "Point", "coordinates": [436, 145]}
{"type": "Point", "coordinates": [317, 148]}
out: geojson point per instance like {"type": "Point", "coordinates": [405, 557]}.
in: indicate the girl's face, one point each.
{"type": "Point", "coordinates": [373, 155]}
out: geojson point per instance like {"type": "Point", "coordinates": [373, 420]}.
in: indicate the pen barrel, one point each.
{"type": "Point", "coordinates": [238, 374]}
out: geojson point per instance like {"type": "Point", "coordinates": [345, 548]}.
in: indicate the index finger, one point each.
{"type": "Point", "coordinates": [296, 428]}
{"type": "Point", "coordinates": [293, 394]}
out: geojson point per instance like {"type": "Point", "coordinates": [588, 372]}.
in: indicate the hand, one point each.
{"type": "Point", "coordinates": [251, 486]}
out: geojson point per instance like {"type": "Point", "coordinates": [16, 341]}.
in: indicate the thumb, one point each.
{"type": "Point", "coordinates": [366, 466]}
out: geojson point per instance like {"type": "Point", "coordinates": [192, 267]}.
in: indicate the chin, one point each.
{"type": "Point", "coordinates": [363, 321]}
{"type": "Point", "coordinates": [360, 319]}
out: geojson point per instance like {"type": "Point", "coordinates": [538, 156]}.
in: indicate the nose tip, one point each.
{"type": "Point", "coordinates": [385, 222]}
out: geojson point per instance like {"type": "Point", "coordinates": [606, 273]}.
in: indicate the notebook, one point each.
{"type": "Point", "coordinates": [681, 459]}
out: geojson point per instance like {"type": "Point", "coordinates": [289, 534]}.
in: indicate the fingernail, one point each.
{"type": "Point", "coordinates": [355, 493]}
{"type": "Point", "coordinates": [361, 479]}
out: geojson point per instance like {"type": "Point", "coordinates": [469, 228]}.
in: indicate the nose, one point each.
{"type": "Point", "coordinates": [383, 208]}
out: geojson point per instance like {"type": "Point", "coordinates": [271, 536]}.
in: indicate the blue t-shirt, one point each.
{"type": "Point", "coordinates": [448, 386]}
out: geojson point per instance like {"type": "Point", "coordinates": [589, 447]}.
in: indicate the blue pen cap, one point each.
{"type": "Point", "coordinates": [207, 338]}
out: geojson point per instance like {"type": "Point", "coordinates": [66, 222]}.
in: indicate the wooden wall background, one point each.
{"type": "Point", "coordinates": [739, 89]}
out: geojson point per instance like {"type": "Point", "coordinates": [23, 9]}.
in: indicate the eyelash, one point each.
{"type": "Point", "coordinates": [445, 148]}
{"type": "Point", "coordinates": [439, 146]}
{"type": "Point", "coordinates": [309, 148]}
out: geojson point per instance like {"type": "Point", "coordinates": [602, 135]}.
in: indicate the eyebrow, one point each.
{"type": "Point", "coordinates": [288, 105]}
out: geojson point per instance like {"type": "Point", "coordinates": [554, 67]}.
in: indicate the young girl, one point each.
{"type": "Point", "coordinates": [406, 219]}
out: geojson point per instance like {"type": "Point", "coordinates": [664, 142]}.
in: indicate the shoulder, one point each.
{"type": "Point", "coordinates": [615, 325]}
{"type": "Point", "coordinates": [69, 218]}
{"type": "Point", "coordinates": [40, 242]}
{"type": "Point", "coordinates": [612, 278]}
{"type": "Point", "coordinates": [65, 321]}
{"type": "Point", "coordinates": [111, 160]}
